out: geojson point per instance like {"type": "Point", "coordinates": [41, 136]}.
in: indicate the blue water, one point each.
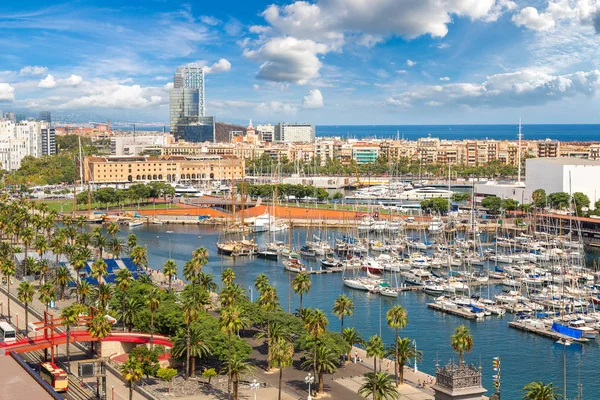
{"type": "Point", "coordinates": [525, 357]}
{"type": "Point", "coordinates": [573, 133]}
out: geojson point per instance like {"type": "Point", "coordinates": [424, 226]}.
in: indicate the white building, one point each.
{"type": "Point", "coordinates": [293, 133]}
{"type": "Point", "coordinates": [564, 174]}
{"type": "Point", "coordinates": [133, 145]}
{"type": "Point", "coordinates": [266, 132]}
{"type": "Point", "coordinates": [19, 140]}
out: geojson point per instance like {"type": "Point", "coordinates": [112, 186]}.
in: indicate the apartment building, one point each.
{"type": "Point", "coordinates": [143, 169]}
{"type": "Point", "coordinates": [364, 153]}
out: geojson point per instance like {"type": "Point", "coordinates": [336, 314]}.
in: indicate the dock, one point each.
{"type": "Point", "coordinates": [324, 271]}
{"type": "Point", "coordinates": [550, 334]}
{"type": "Point", "coordinates": [453, 311]}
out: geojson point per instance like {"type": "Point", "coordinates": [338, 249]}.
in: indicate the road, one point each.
{"type": "Point", "coordinates": [121, 391]}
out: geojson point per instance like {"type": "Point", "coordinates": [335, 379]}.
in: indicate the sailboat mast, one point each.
{"type": "Point", "coordinates": [519, 155]}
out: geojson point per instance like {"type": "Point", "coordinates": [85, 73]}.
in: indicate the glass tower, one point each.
{"type": "Point", "coordinates": [187, 98]}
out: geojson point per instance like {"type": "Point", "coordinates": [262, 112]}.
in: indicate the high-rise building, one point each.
{"type": "Point", "coordinates": [201, 131]}
{"type": "Point", "coordinates": [292, 133]}
{"type": "Point", "coordinates": [45, 116]}
{"type": "Point", "coordinates": [266, 132]}
{"type": "Point", "coordinates": [48, 136]}
{"type": "Point", "coordinates": [187, 98]}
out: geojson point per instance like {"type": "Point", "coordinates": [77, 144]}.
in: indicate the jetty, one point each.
{"type": "Point", "coordinates": [453, 311]}
{"type": "Point", "coordinates": [545, 332]}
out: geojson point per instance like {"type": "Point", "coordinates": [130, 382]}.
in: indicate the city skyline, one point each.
{"type": "Point", "coordinates": [324, 62]}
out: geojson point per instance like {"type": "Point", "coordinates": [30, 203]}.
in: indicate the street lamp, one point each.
{"type": "Point", "coordinates": [310, 380]}
{"type": "Point", "coordinates": [251, 294]}
{"type": "Point", "coordinates": [414, 342]}
{"type": "Point", "coordinates": [254, 386]}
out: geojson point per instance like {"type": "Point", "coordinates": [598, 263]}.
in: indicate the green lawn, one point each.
{"type": "Point", "coordinates": [67, 206]}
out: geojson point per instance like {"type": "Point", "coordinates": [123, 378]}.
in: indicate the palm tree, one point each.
{"type": "Point", "coordinates": [57, 245]}
{"type": "Point", "coordinates": [113, 229]}
{"type": "Point", "coordinates": [379, 385]}
{"type": "Point", "coordinates": [84, 290]}
{"type": "Point", "coordinates": [231, 321]}
{"type": "Point", "coordinates": [375, 349]}
{"type": "Point", "coordinates": [139, 256]}
{"type": "Point", "coordinates": [235, 369]}
{"type": "Point", "coordinates": [462, 342]}
{"type": "Point", "coordinates": [190, 314]}
{"type": "Point", "coordinates": [301, 285]}
{"type": "Point", "coordinates": [324, 359]}
{"type": "Point", "coordinates": [99, 327]}
{"type": "Point", "coordinates": [207, 282]}
{"type": "Point", "coordinates": [404, 350]}
{"type": "Point", "coordinates": [78, 262]}
{"type": "Point", "coordinates": [41, 246]}
{"type": "Point", "coordinates": [99, 269]}
{"type": "Point", "coordinates": [170, 270]}
{"type": "Point", "coordinates": [27, 236]}
{"type": "Point", "coordinates": [131, 372]}
{"type": "Point", "coordinates": [282, 356]}
{"type": "Point", "coordinates": [69, 316]}
{"type": "Point", "coordinates": [128, 315]}
{"type": "Point", "coordinates": [104, 293]}
{"type": "Point", "coordinates": [540, 391]}
{"type": "Point", "coordinates": [62, 279]}
{"type": "Point", "coordinates": [25, 294]}
{"type": "Point", "coordinates": [341, 307]}
{"type": "Point", "coordinates": [30, 265]}
{"type": "Point", "coordinates": [261, 282]}
{"type": "Point", "coordinates": [397, 319]}
{"type": "Point", "coordinates": [227, 277]}
{"type": "Point", "coordinates": [352, 337]}
{"type": "Point", "coordinates": [315, 324]}
{"type": "Point", "coordinates": [199, 348]}
{"type": "Point", "coordinates": [47, 294]}
{"type": "Point", "coordinates": [42, 266]}
{"type": "Point", "coordinates": [8, 270]}
{"type": "Point", "coordinates": [123, 280]}
{"type": "Point", "coordinates": [268, 302]}
{"type": "Point", "coordinates": [101, 243]}
{"type": "Point", "coordinates": [117, 246]}
{"type": "Point", "coordinates": [230, 295]}
{"type": "Point", "coordinates": [131, 241]}
{"type": "Point", "coordinates": [153, 302]}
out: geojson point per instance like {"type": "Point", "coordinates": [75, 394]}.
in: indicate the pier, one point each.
{"type": "Point", "coordinates": [545, 332]}
{"type": "Point", "coordinates": [453, 311]}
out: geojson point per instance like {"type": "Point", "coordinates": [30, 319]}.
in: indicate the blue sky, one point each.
{"type": "Point", "coordinates": [326, 61]}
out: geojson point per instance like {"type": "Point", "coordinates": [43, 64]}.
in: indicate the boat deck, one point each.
{"type": "Point", "coordinates": [453, 311]}
{"type": "Point", "coordinates": [546, 333]}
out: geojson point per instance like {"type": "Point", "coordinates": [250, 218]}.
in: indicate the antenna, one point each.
{"type": "Point", "coordinates": [519, 153]}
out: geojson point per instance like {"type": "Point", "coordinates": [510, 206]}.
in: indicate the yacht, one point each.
{"type": "Point", "coordinates": [426, 193]}
{"type": "Point", "coordinates": [359, 284]}
{"type": "Point", "coordinates": [435, 226]}
{"type": "Point", "coordinates": [135, 223]}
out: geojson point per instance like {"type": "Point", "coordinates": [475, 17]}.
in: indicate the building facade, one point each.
{"type": "Point", "coordinates": [132, 145]}
{"type": "Point", "coordinates": [186, 98]}
{"type": "Point", "coordinates": [142, 169]}
{"type": "Point", "coordinates": [201, 131]}
{"type": "Point", "coordinates": [27, 138]}
{"type": "Point", "coordinates": [292, 133]}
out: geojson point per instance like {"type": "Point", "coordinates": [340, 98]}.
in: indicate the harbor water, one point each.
{"type": "Point", "coordinates": [524, 357]}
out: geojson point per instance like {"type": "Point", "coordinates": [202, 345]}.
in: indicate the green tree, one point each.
{"type": "Point", "coordinates": [282, 352]}
{"type": "Point", "coordinates": [227, 277]}
{"type": "Point", "coordinates": [123, 281]}
{"type": "Point", "coordinates": [341, 307]}
{"type": "Point", "coordinates": [301, 286]}
{"type": "Point", "coordinates": [69, 317]}
{"type": "Point", "coordinates": [492, 203]}
{"type": "Point", "coordinates": [62, 279]}
{"type": "Point", "coordinates": [209, 373]}
{"type": "Point", "coordinates": [397, 318]}
{"type": "Point", "coordinates": [231, 321]}
{"type": "Point", "coordinates": [315, 324]}
{"type": "Point", "coordinates": [510, 204]}
{"type": "Point", "coordinates": [170, 270]}
{"type": "Point", "coordinates": [8, 270]}
{"type": "Point", "coordinates": [322, 360]}
{"type": "Point", "coordinates": [47, 294]}
{"type": "Point", "coordinates": [167, 375]}
{"type": "Point", "coordinates": [540, 391]}
{"type": "Point", "coordinates": [379, 385]}
{"type": "Point", "coordinates": [462, 342]}
{"type": "Point", "coordinates": [404, 350]}
{"type": "Point", "coordinates": [539, 198]}
{"type": "Point", "coordinates": [153, 302]}
{"type": "Point", "coordinates": [236, 368]}
{"type": "Point", "coordinates": [99, 328]}
{"type": "Point", "coordinates": [139, 256]}
{"type": "Point", "coordinates": [580, 200]}
{"type": "Point", "coordinates": [352, 337]}
{"type": "Point", "coordinates": [375, 348]}
{"type": "Point", "coordinates": [559, 200]}
{"type": "Point", "coordinates": [25, 294]}
{"type": "Point", "coordinates": [268, 302]}
{"type": "Point", "coordinates": [261, 282]}
{"type": "Point", "coordinates": [461, 196]}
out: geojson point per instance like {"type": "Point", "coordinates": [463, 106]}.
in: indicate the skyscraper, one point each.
{"type": "Point", "coordinates": [187, 98]}
{"type": "Point", "coordinates": [46, 117]}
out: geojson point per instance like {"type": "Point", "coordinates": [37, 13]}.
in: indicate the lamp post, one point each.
{"type": "Point", "coordinates": [310, 380]}
{"type": "Point", "coordinates": [254, 386]}
{"type": "Point", "coordinates": [251, 293]}
{"type": "Point", "coordinates": [416, 354]}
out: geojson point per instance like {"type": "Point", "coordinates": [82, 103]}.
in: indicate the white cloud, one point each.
{"type": "Point", "coordinates": [272, 108]}
{"type": "Point", "coordinates": [222, 65]}
{"type": "Point", "coordinates": [73, 80]}
{"type": "Point", "coordinates": [314, 99]}
{"type": "Point", "coordinates": [442, 46]}
{"type": "Point", "coordinates": [161, 78]}
{"type": "Point", "coordinates": [255, 87]}
{"type": "Point", "coordinates": [33, 71]}
{"type": "Point", "coordinates": [531, 19]}
{"type": "Point", "coordinates": [400, 71]}
{"type": "Point", "coordinates": [7, 92]}
{"type": "Point", "coordinates": [411, 63]}
{"type": "Point", "coordinates": [327, 25]}
{"type": "Point", "coordinates": [444, 78]}
{"type": "Point", "coordinates": [526, 87]}
{"type": "Point", "coordinates": [288, 59]}
{"type": "Point", "coordinates": [48, 82]}
{"type": "Point", "coordinates": [110, 94]}
{"type": "Point", "coordinates": [208, 20]}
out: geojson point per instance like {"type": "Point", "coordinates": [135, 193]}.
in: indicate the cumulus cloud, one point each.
{"type": "Point", "coordinates": [313, 100]}
{"type": "Point", "coordinates": [298, 33]}
{"type": "Point", "coordinates": [411, 63]}
{"type": "Point", "coordinates": [531, 19]}
{"type": "Point", "coordinates": [444, 78]}
{"type": "Point", "coordinates": [7, 92]}
{"type": "Point", "coordinates": [222, 65]}
{"type": "Point", "coordinates": [275, 108]}
{"type": "Point", "coordinates": [33, 71]}
{"type": "Point", "coordinates": [109, 94]}
{"type": "Point", "coordinates": [48, 82]}
{"type": "Point", "coordinates": [521, 88]}
{"type": "Point", "coordinates": [288, 59]}
{"type": "Point", "coordinates": [73, 80]}
{"type": "Point", "coordinates": [400, 71]}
